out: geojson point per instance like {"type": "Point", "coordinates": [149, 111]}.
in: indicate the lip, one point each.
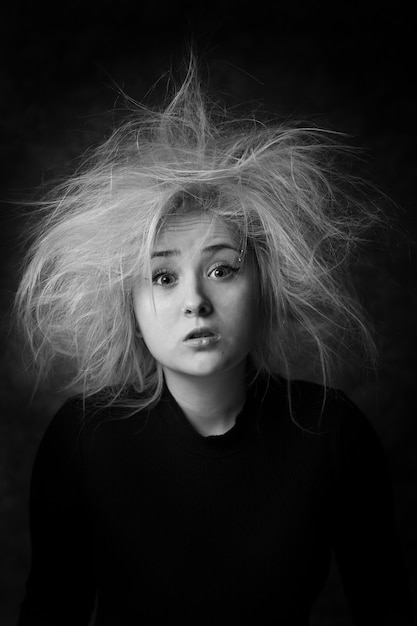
{"type": "Point", "coordinates": [200, 337]}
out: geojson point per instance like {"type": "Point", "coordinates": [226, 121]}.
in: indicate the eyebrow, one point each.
{"type": "Point", "coordinates": [205, 250]}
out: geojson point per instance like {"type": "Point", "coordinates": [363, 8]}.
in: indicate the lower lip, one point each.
{"type": "Point", "coordinates": [202, 342]}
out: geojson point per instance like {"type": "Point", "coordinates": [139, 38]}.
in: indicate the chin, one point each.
{"type": "Point", "coordinates": [202, 372]}
{"type": "Point", "coordinates": [211, 369]}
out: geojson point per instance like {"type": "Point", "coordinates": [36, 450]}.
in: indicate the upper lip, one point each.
{"type": "Point", "coordinates": [199, 331]}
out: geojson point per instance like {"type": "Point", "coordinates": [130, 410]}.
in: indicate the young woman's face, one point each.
{"type": "Point", "coordinates": [198, 314]}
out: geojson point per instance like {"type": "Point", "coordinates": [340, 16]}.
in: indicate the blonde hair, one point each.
{"type": "Point", "coordinates": [278, 185]}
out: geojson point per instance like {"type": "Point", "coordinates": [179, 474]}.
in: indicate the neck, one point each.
{"type": "Point", "coordinates": [211, 403]}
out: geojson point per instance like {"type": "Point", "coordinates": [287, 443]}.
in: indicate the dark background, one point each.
{"type": "Point", "coordinates": [349, 68]}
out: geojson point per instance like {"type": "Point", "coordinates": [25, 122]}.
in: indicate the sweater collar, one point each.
{"type": "Point", "coordinates": [245, 429]}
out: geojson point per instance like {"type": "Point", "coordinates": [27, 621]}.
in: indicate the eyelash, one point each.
{"type": "Point", "coordinates": [158, 274]}
{"type": "Point", "coordinates": [232, 271]}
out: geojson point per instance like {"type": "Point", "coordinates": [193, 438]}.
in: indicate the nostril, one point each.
{"type": "Point", "coordinates": [202, 308]}
{"type": "Point", "coordinates": [205, 309]}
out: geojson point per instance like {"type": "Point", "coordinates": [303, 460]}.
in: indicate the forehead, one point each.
{"type": "Point", "coordinates": [196, 229]}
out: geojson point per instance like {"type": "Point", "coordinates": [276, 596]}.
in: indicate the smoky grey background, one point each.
{"type": "Point", "coordinates": [352, 70]}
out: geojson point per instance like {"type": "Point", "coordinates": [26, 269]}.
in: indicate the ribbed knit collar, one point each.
{"type": "Point", "coordinates": [245, 429]}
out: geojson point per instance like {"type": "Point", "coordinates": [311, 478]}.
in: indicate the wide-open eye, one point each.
{"type": "Point", "coordinates": [164, 278]}
{"type": "Point", "coordinates": [223, 271]}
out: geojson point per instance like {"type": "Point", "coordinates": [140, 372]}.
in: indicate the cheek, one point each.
{"type": "Point", "coordinates": [252, 318]}
{"type": "Point", "coordinates": [252, 312]}
{"type": "Point", "coordinates": [147, 322]}
{"type": "Point", "coordinates": [244, 314]}
{"type": "Point", "coordinates": [151, 314]}
{"type": "Point", "coordinates": [142, 307]}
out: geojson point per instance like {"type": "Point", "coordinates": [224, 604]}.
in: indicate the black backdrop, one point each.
{"type": "Point", "coordinates": [350, 68]}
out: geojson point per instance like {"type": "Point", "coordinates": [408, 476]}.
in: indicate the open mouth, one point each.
{"type": "Point", "coordinates": [201, 337]}
{"type": "Point", "coordinates": [200, 332]}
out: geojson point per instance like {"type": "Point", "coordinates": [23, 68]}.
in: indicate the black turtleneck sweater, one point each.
{"type": "Point", "coordinates": [165, 526]}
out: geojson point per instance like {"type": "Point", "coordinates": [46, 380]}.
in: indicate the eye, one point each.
{"type": "Point", "coordinates": [223, 271]}
{"type": "Point", "coordinates": [163, 278]}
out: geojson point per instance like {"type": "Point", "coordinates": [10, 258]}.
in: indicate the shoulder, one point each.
{"type": "Point", "coordinates": [354, 441]}
{"type": "Point", "coordinates": [312, 408]}
{"type": "Point", "coordinates": [311, 404]}
{"type": "Point", "coordinates": [74, 426]}
{"type": "Point", "coordinates": [107, 405]}
{"type": "Point", "coordinates": [341, 431]}
{"type": "Point", "coordinates": [75, 415]}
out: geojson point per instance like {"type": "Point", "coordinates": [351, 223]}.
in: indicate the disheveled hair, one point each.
{"type": "Point", "coordinates": [278, 185]}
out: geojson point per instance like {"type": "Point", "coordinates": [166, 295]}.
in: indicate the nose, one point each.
{"type": "Point", "coordinates": [196, 303]}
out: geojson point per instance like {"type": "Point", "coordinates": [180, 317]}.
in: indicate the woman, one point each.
{"type": "Point", "coordinates": [185, 272]}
